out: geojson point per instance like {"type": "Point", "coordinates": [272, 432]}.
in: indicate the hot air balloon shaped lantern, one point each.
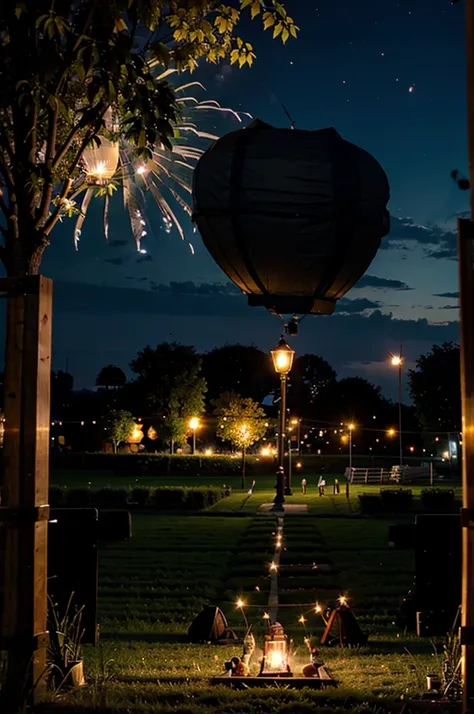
{"type": "Point", "coordinates": [101, 158]}
{"type": "Point", "coordinates": [294, 218]}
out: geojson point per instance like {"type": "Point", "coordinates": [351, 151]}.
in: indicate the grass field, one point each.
{"type": "Point", "coordinates": [263, 492]}
{"type": "Point", "coordinates": [152, 586]}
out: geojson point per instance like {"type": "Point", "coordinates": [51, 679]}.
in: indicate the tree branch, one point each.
{"type": "Point", "coordinates": [50, 149]}
{"type": "Point", "coordinates": [53, 219]}
{"type": "Point", "coordinates": [101, 108]}
{"type": "Point", "coordinates": [3, 206]}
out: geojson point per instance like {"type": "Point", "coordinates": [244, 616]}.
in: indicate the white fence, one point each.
{"type": "Point", "coordinates": [394, 475]}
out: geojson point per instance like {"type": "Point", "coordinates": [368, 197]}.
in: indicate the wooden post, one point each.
{"type": "Point", "coordinates": [466, 304]}
{"type": "Point", "coordinates": [25, 512]}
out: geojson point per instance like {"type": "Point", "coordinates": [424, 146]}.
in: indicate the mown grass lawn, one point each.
{"type": "Point", "coordinates": [239, 501]}
{"type": "Point", "coordinates": [152, 586]}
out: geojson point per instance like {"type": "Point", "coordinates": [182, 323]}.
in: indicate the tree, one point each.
{"type": "Point", "coordinates": [354, 399]}
{"type": "Point", "coordinates": [119, 427]}
{"type": "Point", "coordinates": [241, 422]}
{"type": "Point", "coordinates": [111, 377]}
{"type": "Point", "coordinates": [311, 380]}
{"type": "Point", "coordinates": [243, 369]}
{"type": "Point", "coordinates": [169, 386]}
{"type": "Point", "coordinates": [63, 65]}
{"type": "Point", "coordinates": [435, 388]}
{"type": "Point", "coordinates": [74, 76]}
{"type": "Point", "coordinates": [62, 384]}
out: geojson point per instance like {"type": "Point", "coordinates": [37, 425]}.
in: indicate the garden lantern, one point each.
{"type": "Point", "coordinates": [275, 661]}
{"type": "Point", "coordinates": [101, 160]}
{"type": "Point", "coordinates": [282, 357]}
{"type": "Point", "coordinates": [294, 218]}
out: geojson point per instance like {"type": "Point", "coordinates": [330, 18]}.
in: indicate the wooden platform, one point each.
{"type": "Point", "coordinates": [265, 682]}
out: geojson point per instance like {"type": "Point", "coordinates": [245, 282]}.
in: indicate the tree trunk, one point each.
{"type": "Point", "coordinates": [243, 468]}
{"type": "Point", "coordinates": [24, 514]}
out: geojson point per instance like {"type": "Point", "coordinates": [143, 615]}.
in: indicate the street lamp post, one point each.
{"type": "Point", "coordinates": [194, 425]}
{"type": "Point", "coordinates": [282, 357]}
{"type": "Point", "coordinates": [351, 428]}
{"type": "Point", "coordinates": [397, 361]}
{"type": "Point", "coordinates": [297, 422]}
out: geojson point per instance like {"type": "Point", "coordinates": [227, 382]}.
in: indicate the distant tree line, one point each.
{"type": "Point", "coordinates": [171, 383]}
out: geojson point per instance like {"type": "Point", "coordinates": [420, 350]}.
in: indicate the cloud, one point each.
{"type": "Point", "coordinates": [453, 295]}
{"type": "Point", "coordinates": [92, 328]}
{"type": "Point", "coordinates": [358, 306]}
{"type": "Point", "coordinates": [443, 253]}
{"type": "Point", "coordinates": [437, 241]}
{"type": "Point", "coordinates": [373, 281]}
{"type": "Point", "coordinates": [190, 288]}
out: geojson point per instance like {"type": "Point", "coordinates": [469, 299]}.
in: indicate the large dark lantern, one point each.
{"type": "Point", "coordinates": [294, 218]}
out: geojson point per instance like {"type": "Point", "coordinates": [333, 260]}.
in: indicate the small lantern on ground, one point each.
{"type": "Point", "coordinates": [275, 661]}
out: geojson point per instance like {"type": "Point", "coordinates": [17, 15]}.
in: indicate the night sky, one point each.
{"type": "Point", "coordinates": [388, 76]}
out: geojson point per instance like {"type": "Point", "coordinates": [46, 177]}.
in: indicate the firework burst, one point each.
{"type": "Point", "coordinates": [167, 175]}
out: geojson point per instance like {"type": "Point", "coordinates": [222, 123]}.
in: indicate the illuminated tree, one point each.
{"type": "Point", "coordinates": [241, 422]}
{"type": "Point", "coordinates": [119, 426]}
{"type": "Point", "coordinates": [170, 387]}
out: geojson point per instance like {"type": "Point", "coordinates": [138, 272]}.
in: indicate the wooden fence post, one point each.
{"type": "Point", "coordinates": [25, 512]}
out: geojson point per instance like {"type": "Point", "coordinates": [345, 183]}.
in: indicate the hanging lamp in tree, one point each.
{"type": "Point", "coordinates": [294, 218]}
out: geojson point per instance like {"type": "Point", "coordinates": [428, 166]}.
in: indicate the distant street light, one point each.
{"type": "Point", "coordinates": [282, 357]}
{"type": "Point", "coordinates": [397, 361]}
{"type": "Point", "coordinates": [351, 428]}
{"type": "Point", "coordinates": [194, 425]}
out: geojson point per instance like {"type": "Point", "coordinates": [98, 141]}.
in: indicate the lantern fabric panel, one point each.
{"type": "Point", "coordinates": [293, 217]}
{"type": "Point", "coordinates": [101, 162]}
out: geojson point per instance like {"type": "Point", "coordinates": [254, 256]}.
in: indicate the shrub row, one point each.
{"type": "Point", "coordinates": [162, 498]}
{"type": "Point", "coordinates": [149, 464]}
{"type": "Point", "coordinates": [400, 500]}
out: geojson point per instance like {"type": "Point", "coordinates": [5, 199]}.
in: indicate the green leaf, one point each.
{"type": "Point", "coordinates": [278, 30]}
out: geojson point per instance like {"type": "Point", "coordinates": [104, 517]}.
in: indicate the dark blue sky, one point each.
{"type": "Point", "coordinates": [388, 76]}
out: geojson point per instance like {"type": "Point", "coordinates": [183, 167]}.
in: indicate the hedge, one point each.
{"type": "Point", "coordinates": [161, 498]}
{"type": "Point", "coordinates": [149, 464]}
{"type": "Point", "coordinates": [370, 503]}
{"type": "Point", "coordinates": [390, 500]}
{"type": "Point", "coordinates": [396, 500]}
{"type": "Point", "coordinates": [438, 500]}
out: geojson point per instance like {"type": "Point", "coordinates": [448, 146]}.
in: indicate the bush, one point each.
{"type": "Point", "coordinates": [56, 497]}
{"type": "Point", "coordinates": [438, 500]}
{"type": "Point", "coordinates": [370, 503]}
{"type": "Point", "coordinates": [79, 497]}
{"type": "Point", "coordinates": [141, 495]}
{"type": "Point", "coordinates": [150, 464]}
{"type": "Point", "coordinates": [199, 498]}
{"type": "Point", "coordinates": [167, 498]}
{"type": "Point", "coordinates": [111, 498]}
{"type": "Point", "coordinates": [396, 500]}
{"type": "Point", "coordinates": [162, 498]}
